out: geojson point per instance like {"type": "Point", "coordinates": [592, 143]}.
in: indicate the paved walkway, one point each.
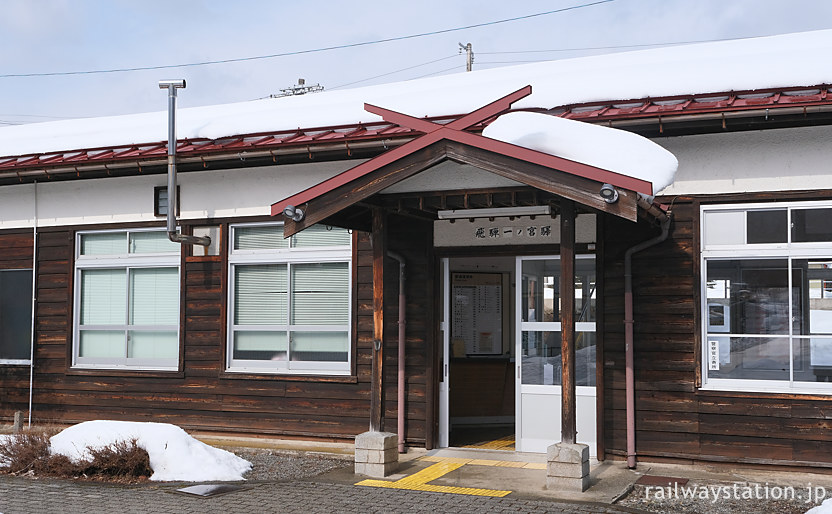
{"type": "Point", "coordinates": [24, 495]}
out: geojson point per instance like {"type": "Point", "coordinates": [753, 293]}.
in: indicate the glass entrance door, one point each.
{"type": "Point", "coordinates": [538, 344]}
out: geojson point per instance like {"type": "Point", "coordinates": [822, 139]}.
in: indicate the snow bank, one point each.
{"type": "Point", "coordinates": [607, 148]}
{"type": "Point", "coordinates": [767, 62]}
{"type": "Point", "coordinates": [823, 508]}
{"type": "Point", "coordinates": [174, 455]}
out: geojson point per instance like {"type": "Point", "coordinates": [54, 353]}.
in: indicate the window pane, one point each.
{"type": "Point", "coordinates": [152, 242]}
{"type": "Point", "coordinates": [260, 295]}
{"type": "Point", "coordinates": [104, 243]}
{"type": "Point", "coordinates": [757, 297]}
{"type": "Point", "coordinates": [319, 235]}
{"type": "Point", "coordinates": [268, 237]}
{"type": "Point", "coordinates": [541, 290]}
{"type": "Point", "coordinates": [724, 227]}
{"type": "Point", "coordinates": [261, 346]}
{"type": "Point", "coordinates": [585, 359]}
{"type": "Point", "coordinates": [320, 346]}
{"type": "Point", "coordinates": [541, 364]}
{"type": "Point", "coordinates": [15, 314]}
{"type": "Point", "coordinates": [152, 344]}
{"type": "Point", "coordinates": [766, 226]}
{"type": "Point", "coordinates": [757, 358]}
{"type": "Point", "coordinates": [102, 344]}
{"type": "Point", "coordinates": [154, 296]}
{"type": "Point", "coordinates": [816, 300]}
{"type": "Point", "coordinates": [585, 294]}
{"type": "Point", "coordinates": [320, 294]}
{"type": "Point", "coordinates": [813, 359]}
{"type": "Point", "coordinates": [811, 225]}
{"type": "Point", "coordinates": [103, 297]}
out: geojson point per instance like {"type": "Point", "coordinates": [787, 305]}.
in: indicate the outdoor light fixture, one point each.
{"type": "Point", "coordinates": [494, 212]}
{"type": "Point", "coordinates": [608, 193]}
{"type": "Point", "coordinates": [293, 213]}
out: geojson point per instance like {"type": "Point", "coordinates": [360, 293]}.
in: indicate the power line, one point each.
{"type": "Point", "coordinates": [301, 52]}
{"type": "Point", "coordinates": [613, 47]}
{"type": "Point", "coordinates": [394, 72]}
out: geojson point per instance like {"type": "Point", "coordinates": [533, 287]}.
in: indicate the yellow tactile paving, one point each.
{"type": "Point", "coordinates": [487, 462]}
{"type": "Point", "coordinates": [504, 443]}
{"type": "Point", "coordinates": [419, 481]}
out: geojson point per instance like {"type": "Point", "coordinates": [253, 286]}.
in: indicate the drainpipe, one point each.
{"type": "Point", "coordinates": [400, 408]}
{"type": "Point", "coordinates": [34, 298]}
{"type": "Point", "coordinates": [173, 235]}
{"type": "Point", "coordinates": [628, 336]}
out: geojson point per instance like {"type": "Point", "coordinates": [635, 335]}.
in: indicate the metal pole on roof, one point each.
{"type": "Point", "coordinates": [469, 57]}
{"type": "Point", "coordinates": [173, 200]}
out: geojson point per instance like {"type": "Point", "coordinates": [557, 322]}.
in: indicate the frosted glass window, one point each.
{"type": "Point", "coordinates": [103, 296]}
{"type": "Point", "coordinates": [320, 346]}
{"type": "Point", "coordinates": [152, 344]}
{"type": "Point", "coordinates": [320, 294]}
{"type": "Point", "coordinates": [152, 242]}
{"type": "Point", "coordinates": [104, 243]}
{"type": "Point", "coordinates": [260, 294]}
{"type": "Point", "coordinates": [260, 345]}
{"type": "Point", "coordinates": [154, 296]}
{"type": "Point", "coordinates": [319, 235]}
{"type": "Point", "coordinates": [724, 228]}
{"type": "Point", "coordinates": [102, 344]}
{"type": "Point", "coordinates": [268, 237]}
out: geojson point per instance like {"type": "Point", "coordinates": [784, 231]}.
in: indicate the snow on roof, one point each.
{"type": "Point", "coordinates": [607, 148]}
{"type": "Point", "coordinates": [174, 455]}
{"type": "Point", "coordinates": [759, 63]}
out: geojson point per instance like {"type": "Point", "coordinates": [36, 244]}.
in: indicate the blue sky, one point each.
{"type": "Point", "coordinates": [41, 36]}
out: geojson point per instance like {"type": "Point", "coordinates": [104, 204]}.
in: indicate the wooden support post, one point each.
{"type": "Point", "coordinates": [379, 241]}
{"type": "Point", "coordinates": [567, 298]}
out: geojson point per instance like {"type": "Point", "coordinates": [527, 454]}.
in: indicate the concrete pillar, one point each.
{"type": "Point", "coordinates": [376, 454]}
{"type": "Point", "coordinates": [567, 467]}
{"type": "Point", "coordinates": [18, 422]}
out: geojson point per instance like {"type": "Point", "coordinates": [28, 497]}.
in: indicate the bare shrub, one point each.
{"type": "Point", "coordinates": [28, 453]}
{"type": "Point", "coordinates": [122, 459]}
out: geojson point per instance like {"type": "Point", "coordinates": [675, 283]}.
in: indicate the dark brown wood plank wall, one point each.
{"type": "Point", "coordinates": [202, 396]}
{"type": "Point", "coordinates": [673, 418]}
{"type": "Point", "coordinates": [15, 253]}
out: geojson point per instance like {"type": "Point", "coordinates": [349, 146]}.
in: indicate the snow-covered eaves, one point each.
{"type": "Point", "coordinates": [791, 71]}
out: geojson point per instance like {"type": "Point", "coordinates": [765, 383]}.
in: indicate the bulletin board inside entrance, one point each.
{"type": "Point", "coordinates": [477, 304]}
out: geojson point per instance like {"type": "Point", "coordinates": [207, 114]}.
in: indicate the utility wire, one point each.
{"type": "Point", "coordinates": [300, 52]}
{"type": "Point", "coordinates": [614, 46]}
{"type": "Point", "coordinates": [394, 72]}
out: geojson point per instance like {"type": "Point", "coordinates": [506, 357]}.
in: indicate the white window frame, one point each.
{"type": "Point", "coordinates": [25, 361]}
{"type": "Point", "coordinates": [787, 251]}
{"type": "Point", "coordinates": [288, 256]}
{"type": "Point", "coordinates": [127, 262]}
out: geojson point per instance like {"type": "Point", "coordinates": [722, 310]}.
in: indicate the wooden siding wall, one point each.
{"type": "Point", "coordinates": [674, 418]}
{"type": "Point", "coordinates": [15, 253]}
{"type": "Point", "coordinates": [201, 395]}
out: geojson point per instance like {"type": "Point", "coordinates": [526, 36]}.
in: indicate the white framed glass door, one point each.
{"type": "Point", "coordinates": [444, 331]}
{"type": "Point", "coordinates": [538, 359]}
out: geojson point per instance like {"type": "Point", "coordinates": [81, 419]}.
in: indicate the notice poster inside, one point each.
{"type": "Point", "coordinates": [477, 301]}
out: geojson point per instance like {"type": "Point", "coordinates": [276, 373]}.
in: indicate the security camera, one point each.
{"type": "Point", "coordinates": [608, 193]}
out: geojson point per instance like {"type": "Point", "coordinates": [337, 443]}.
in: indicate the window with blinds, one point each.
{"type": "Point", "coordinates": [126, 300]}
{"type": "Point", "coordinates": [289, 300]}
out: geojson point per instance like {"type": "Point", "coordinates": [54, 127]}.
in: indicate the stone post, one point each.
{"type": "Point", "coordinates": [376, 454]}
{"type": "Point", "coordinates": [567, 467]}
{"type": "Point", "coordinates": [18, 422]}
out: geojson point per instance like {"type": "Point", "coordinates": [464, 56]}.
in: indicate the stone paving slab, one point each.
{"type": "Point", "coordinates": [24, 495]}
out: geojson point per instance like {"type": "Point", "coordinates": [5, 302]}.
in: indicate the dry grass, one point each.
{"type": "Point", "coordinates": [27, 453]}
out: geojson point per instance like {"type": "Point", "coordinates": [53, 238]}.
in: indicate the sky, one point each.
{"type": "Point", "coordinates": [60, 36]}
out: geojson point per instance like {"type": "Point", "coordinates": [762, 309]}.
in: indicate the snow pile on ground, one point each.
{"type": "Point", "coordinates": [606, 148]}
{"type": "Point", "coordinates": [174, 455]}
{"type": "Point", "coordinates": [823, 508]}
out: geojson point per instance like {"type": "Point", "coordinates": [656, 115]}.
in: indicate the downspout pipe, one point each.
{"type": "Point", "coordinates": [628, 336]}
{"type": "Point", "coordinates": [34, 298]}
{"type": "Point", "coordinates": [400, 407]}
{"type": "Point", "coordinates": [173, 200]}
